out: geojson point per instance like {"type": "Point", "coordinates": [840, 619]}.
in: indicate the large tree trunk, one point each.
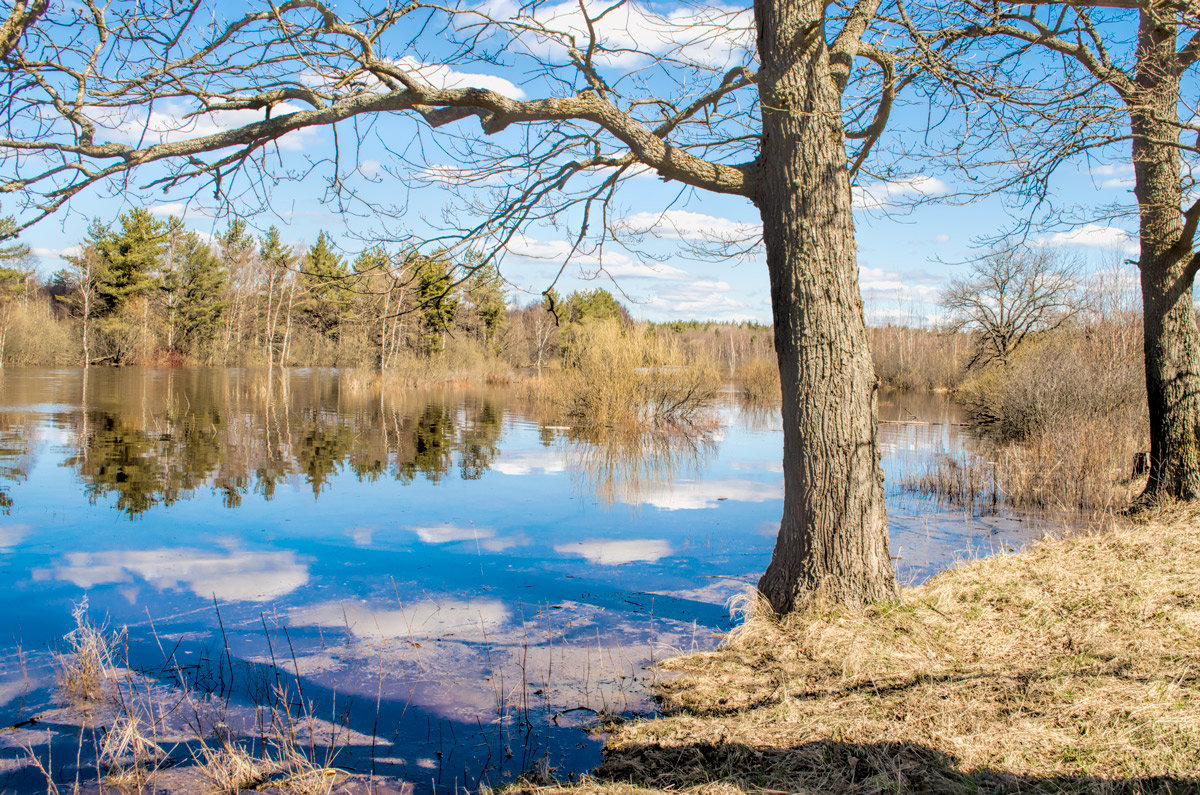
{"type": "Point", "coordinates": [833, 540]}
{"type": "Point", "coordinates": [1172, 344]}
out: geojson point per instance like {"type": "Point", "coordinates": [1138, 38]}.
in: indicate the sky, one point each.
{"type": "Point", "coordinates": [906, 251]}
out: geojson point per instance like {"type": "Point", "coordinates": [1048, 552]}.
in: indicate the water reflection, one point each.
{"type": "Point", "coordinates": [460, 560]}
{"type": "Point", "coordinates": [252, 435]}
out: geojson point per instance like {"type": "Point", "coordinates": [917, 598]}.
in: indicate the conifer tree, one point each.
{"type": "Point", "coordinates": [198, 281]}
{"type": "Point", "coordinates": [327, 286]}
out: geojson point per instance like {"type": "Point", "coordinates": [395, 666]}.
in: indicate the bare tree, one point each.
{"type": "Point", "coordinates": [1042, 84]}
{"type": "Point", "coordinates": [1010, 296]}
{"type": "Point", "coordinates": [627, 90]}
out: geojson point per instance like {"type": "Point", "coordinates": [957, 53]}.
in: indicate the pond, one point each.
{"type": "Point", "coordinates": [459, 589]}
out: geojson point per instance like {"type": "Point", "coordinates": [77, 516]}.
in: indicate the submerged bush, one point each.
{"type": "Point", "coordinates": [1067, 417]}
{"type": "Point", "coordinates": [615, 375]}
{"type": "Point", "coordinates": [758, 379]}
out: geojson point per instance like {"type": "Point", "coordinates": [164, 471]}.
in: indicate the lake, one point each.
{"type": "Point", "coordinates": [457, 589]}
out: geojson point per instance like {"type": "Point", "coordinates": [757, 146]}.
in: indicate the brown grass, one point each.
{"type": "Point", "coordinates": [91, 673]}
{"type": "Point", "coordinates": [85, 668]}
{"type": "Point", "coordinates": [1071, 667]}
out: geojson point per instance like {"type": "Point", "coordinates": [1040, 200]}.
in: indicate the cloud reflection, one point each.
{"type": "Point", "coordinates": [232, 575]}
{"type": "Point", "coordinates": [614, 553]}
{"type": "Point", "coordinates": [699, 494]}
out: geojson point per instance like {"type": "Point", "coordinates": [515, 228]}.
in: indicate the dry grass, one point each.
{"type": "Point", "coordinates": [91, 673]}
{"type": "Point", "coordinates": [128, 756]}
{"type": "Point", "coordinates": [1071, 667]}
{"type": "Point", "coordinates": [1085, 464]}
{"type": "Point", "coordinates": [84, 670]}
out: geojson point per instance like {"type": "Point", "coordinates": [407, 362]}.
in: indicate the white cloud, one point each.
{"type": "Point", "coordinates": [886, 194]}
{"type": "Point", "coordinates": [631, 33]}
{"type": "Point", "coordinates": [12, 535]}
{"type": "Point", "coordinates": [69, 251]}
{"type": "Point", "coordinates": [604, 552]}
{"type": "Point", "coordinates": [234, 575]}
{"type": "Point", "coordinates": [1093, 236]}
{"type": "Point", "coordinates": [172, 124]}
{"type": "Point", "coordinates": [641, 270]}
{"type": "Point", "coordinates": [698, 298]}
{"type": "Point", "coordinates": [685, 225]}
{"type": "Point", "coordinates": [942, 238]}
{"type": "Point", "coordinates": [525, 462]}
{"type": "Point", "coordinates": [179, 210]}
{"type": "Point", "coordinates": [698, 494]}
{"type": "Point", "coordinates": [440, 76]}
{"type": "Point", "coordinates": [877, 283]}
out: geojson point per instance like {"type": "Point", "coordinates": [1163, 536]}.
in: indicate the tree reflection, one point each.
{"type": "Point", "coordinates": [628, 466]}
{"type": "Point", "coordinates": [150, 438]}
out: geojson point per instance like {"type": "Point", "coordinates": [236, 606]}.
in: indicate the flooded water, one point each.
{"type": "Point", "coordinates": [461, 588]}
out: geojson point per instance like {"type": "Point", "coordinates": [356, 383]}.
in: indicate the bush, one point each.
{"type": "Point", "coordinates": [1067, 417]}
{"type": "Point", "coordinates": [1059, 381]}
{"type": "Point", "coordinates": [616, 375]}
{"type": "Point", "coordinates": [758, 380]}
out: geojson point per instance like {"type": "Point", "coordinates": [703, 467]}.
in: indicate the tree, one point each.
{"type": "Point", "coordinates": [698, 114]}
{"type": "Point", "coordinates": [278, 262]}
{"type": "Point", "coordinates": [327, 289]}
{"type": "Point", "coordinates": [197, 280]}
{"type": "Point", "coordinates": [12, 279]}
{"type": "Point", "coordinates": [1043, 84]}
{"type": "Point", "coordinates": [131, 257]}
{"type": "Point", "coordinates": [435, 302]}
{"type": "Point", "coordinates": [75, 286]}
{"type": "Point", "coordinates": [597, 304]}
{"type": "Point", "coordinates": [1010, 296]}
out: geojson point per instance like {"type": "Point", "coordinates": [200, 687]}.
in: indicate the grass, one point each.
{"type": "Point", "coordinates": [1073, 666]}
{"type": "Point", "coordinates": [131, 717]}
{"type": "Point", "coordinates": [85, 668]}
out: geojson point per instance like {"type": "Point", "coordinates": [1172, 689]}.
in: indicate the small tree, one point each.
{"type": "Point", "coordinates": [1010, 296]}
{"type": "Point", "coordinates": [436, 299]}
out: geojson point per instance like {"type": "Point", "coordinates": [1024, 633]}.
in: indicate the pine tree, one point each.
{"type": "Point", "coordinates": [131, 258]}
{"type": "Point", "coordinates": [327, 287]}
{"type": "Point", "coordinates": [197, 280]}
{"type": "Point", "coordinates": [436, 302]}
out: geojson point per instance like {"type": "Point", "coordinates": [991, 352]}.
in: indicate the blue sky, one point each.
{"type": "Point", "coordinates": [906, 251]}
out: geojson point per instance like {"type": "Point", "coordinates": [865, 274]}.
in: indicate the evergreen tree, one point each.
{"type": "Point", "coordinates": [327, 286]}
{"type": "Point", "coordinates": [597, 304]}
{"type": "Point", "coordinates": [484, 306]}
{"type": "Point", "coordinates": [131, 258]}
{"type": "Point", "coordinates": [436, 303]}
{"type": "Point", "coordinates": [197, 281]}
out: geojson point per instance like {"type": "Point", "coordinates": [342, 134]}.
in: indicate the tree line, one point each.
{"type": "Point", "coordinates": [145, 291]}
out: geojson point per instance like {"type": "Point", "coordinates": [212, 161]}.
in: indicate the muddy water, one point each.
{"type": "Point", "coordinates": [460, 589]}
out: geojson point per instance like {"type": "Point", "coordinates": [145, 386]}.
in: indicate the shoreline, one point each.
{"type": "Point", "coordinates": [1073, 665]}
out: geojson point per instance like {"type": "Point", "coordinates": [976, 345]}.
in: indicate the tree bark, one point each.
{"type": "Point", "coordinates": [1172, 344]}
{"type": "Point", "coordinates": [832, 542]}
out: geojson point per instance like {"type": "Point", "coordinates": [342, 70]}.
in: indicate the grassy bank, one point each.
{"type": "Point", "coordinates": [1071, 667]}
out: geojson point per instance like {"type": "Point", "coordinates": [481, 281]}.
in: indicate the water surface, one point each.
{"type": "Point", "coordinates": [460, 584]}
